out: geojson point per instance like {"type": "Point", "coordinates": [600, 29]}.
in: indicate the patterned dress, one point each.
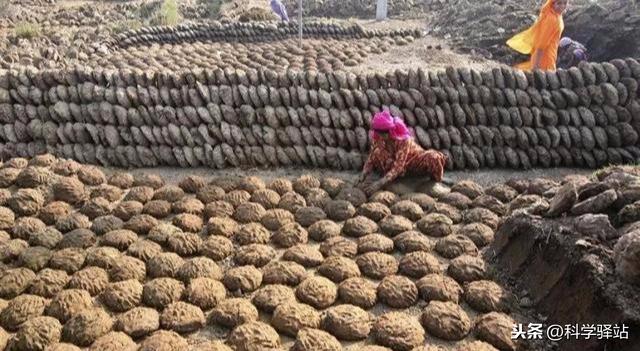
{"type": "Point", "coordinates": [394, 158]}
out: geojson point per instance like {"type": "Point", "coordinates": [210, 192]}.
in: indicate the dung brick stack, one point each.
{"type": "Point", "coordinates": [248, 32]}
{"type": "Point", "coordinates": [583, 117]}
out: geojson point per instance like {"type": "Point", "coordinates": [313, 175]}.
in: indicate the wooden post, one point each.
{"type": "Point", "coordinates": [381, 10]}
{"type": "Point", "coordinates": [300, 20]}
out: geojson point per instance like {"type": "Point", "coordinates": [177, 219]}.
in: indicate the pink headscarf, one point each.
{"type": "Point", "coordinates": [383, 121]}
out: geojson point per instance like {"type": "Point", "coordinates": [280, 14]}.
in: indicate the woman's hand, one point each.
{"type": "Point", "coordinates": [361, 178]}
{"type": "Point", "coordinates": [370, 189]}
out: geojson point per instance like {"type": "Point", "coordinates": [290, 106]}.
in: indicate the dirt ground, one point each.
{"type": "Point", "coordinates": [485, 177]}
{"type": "Point", "coordinates": [427, 52]}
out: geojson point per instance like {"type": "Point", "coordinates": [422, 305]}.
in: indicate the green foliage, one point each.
{"type": "Point", "coordinates": [27, 30]}
{"type": "Point", "coordinates": [168, 15]}
{"type": "Point", "coordinates": [123, 26]}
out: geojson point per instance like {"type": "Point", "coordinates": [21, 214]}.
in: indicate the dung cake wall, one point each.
{"type": "Point", "coordinates": [588, 116]}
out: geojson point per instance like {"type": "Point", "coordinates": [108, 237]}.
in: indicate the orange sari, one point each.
{"type": "Point", "coordinates": [543, 35]}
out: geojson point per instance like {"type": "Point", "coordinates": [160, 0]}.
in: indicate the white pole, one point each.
{"type": "Point", "coordinates": [300, 20]}
{"type": "Point", "coordinates": [381, 10]}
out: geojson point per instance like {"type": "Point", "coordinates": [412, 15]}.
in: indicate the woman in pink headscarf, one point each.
{"type": "Point", "coordinates": [394, 153]}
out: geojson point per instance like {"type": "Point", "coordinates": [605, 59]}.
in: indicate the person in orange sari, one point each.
{"type": "Point", "coordinates": [542, 39]}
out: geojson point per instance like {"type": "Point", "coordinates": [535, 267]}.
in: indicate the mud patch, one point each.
{"type": "Point", "coordinates": [568, 279]}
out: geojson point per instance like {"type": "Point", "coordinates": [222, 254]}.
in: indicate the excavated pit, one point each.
{"type": "Point", "coordinates": [568, 279]}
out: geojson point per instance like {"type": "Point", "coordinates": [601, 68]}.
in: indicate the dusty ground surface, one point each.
{"type": "Point", "coordinates": [486, 177]}
{"type": "Point", "coordinates": [429, 51]}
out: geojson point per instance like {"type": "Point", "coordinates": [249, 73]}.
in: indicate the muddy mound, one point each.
{"type": "Point", "coordinates": [439, 287]}
{"type": "Point", "coordinates": [397, 291]}
{"type": "Point", "coordinates": [122, 296]}
{"type": "Point", "coordinates": [182, 317]}
{"type": "Point", "coordinates": [87, 326]}
{"type": "Point", "coordinates": [68, 303]}
{"type": "Point", "coordinates": [161, 338]}
{"type": "Point", "coordinates": [269, 297]}
{"type": "Point", "coordinates": [318, 292]}
{"type": "Point", "coordinates": [494, 328]}
{"type": "Point", "coordinates": [161, 292]}
{"type": "Point", "coordinates": [398, 331]}
{"type": "Point", "coordinates": [595, 267]}
{"type": "Point", "coordinates": [314, 339]}
{"type": "Point", "coordinates": [306, 255]}
{"type": "Point", "coordinates": [339, 246]}
{"type": "Point", "coordinates": [205, 292]}
{"type": "Point", "coordinates": [253, 336]}
{"type": "Point", "coordinates": [446, 320]}
{"type": "Point", "coordinates": [138, 322]}
{"type": "Point", "coordinates": [233, 312]}
{"type": "Point", "coordinates": [242, 279]}
{"type": "Point", "coordinates": [37, 334]}
{"type": "Point", "coordinates": [347, 322]}
{"type": "Point", "coordinates": [358, 291]}
{"type": "Point", "coordinates": [289, 318]}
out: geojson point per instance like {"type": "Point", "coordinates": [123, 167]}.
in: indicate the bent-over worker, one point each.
{"type": "Point", "coordinates": [394, 153]}
{"type": "Point", "coordinates": [570, 53]}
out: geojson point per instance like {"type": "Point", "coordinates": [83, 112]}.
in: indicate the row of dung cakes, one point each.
{"type": "Point", "coordinates": [503, 78]}
{"type": "Point", "coordinates": [249, 32]}
{"type": "Point", "coordinates": [324, 55]}
{"type": "Point", "coordinates": [587, 116]}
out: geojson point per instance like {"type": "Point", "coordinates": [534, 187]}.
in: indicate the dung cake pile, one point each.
{"type": "Point", "coordinates": [111, 260]}
{"type": "Point", "coordinates": [274, 46]}
{"type": "Point", "coordinates": [249, 32]}
{"type": "Point", "coordinates": [320, 55]}
{"type": "Point", "coordinates": [586, 116]}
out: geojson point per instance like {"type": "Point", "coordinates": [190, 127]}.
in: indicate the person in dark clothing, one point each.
{"type": "Point", "coordinates": [570, 53]}
{"type": "Point", "coordinates": [280, 10]}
